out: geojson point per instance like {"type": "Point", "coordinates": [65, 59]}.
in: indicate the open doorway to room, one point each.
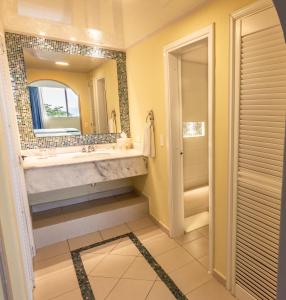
{"type": "Point", "coordinates": [189, 89]}
{"type": "Point", "coordinates": [101, 105]}
{"type": "Point", "coordinates": [194, 94]}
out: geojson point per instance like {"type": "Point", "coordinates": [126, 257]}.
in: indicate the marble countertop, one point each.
{"type": "Point", "coordinates": [68, 158]}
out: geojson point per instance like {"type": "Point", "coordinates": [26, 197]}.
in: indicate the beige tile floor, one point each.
{"type": "Point", "coordinates": [118, 271]}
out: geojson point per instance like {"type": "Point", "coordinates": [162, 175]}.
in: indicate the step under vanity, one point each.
{"type": "Point", "coordinates": [50, 170]}
{"type": "Point", "coordinates": [64, 223]}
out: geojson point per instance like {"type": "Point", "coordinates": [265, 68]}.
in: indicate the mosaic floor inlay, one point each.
{"type": "Point", "coordinates": [82, 276]}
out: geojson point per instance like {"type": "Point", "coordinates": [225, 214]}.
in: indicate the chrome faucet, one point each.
{"type": "Point", "coordinates": [89, 148]}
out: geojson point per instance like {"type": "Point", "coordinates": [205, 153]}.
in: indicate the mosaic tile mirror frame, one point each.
{"type": "Point", "coordinates": [16, 43]}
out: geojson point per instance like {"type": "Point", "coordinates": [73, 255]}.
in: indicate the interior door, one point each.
{"type": "Point", "coordinates": [92, 105]}
{"type": "Point", "coordinates": [102, 115]}
{"type": "Point", "coordinates": [260, 130]}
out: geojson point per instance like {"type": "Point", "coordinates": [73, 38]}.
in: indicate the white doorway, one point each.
{"type": "Point", "coordinates": [194, 98]}
{"type": "Point", "coordinates": [101, 107]}
{"type": "Point", "coordinates": [190, 126]}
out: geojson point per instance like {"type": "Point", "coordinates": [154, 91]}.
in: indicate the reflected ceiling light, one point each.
{"type": "Point", "coordinates": [61, 63]}
{"type": "Point", "coordinates": [41, 33]}
{"type": "Point", "coordinates": [72, 39]}
{"type": "Point", "coordinates": [95, 34]}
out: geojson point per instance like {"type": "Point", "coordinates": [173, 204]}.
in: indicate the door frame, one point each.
{"type": "Point", "coordinates": [174, 133]}
{"type": "Point", "coordinates": [234, 87]}
{"type": "Point", "coordinates": [97, 82]}
{"type": "Point", "coordinates": [11, 141]}
{"type": "Point", "coordinates": [5, 282]}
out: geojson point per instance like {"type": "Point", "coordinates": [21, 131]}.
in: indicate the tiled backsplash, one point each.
{"type": "Point", "coordinates": [15, 45]}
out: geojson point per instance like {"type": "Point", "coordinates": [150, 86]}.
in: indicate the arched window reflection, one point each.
{"type": "Point", "coordinates": [52, 103]}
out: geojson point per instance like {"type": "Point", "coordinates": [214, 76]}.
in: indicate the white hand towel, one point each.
{"type": "Point", "coordinates": [149, 140]}
{"type": "Point", "coordinates": [111, 125]}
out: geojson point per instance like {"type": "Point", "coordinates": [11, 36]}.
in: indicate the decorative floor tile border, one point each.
{"type": "Point", "coordinates": [83, 280]}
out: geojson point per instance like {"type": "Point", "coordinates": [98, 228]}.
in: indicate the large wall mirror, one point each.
{"type": "Point", "coordinates": [72, 94]}
{"type": "Point", "coordinates": [67, 94]}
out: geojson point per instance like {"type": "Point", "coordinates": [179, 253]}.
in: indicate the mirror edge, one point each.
{"type": "Point", "coordinates": [15, 44]}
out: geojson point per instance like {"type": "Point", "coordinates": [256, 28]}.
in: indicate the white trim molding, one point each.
{"type": "Point", "coordinates": [251, 9]}
{"type": "Point", "coordinates": [242, 294]}
{"type": "Point", "coordinates": [15, 175]}
{"type": "Point", "coordinates": [234, 75]}
{"type": "Point", "coordinates": [174, 129]}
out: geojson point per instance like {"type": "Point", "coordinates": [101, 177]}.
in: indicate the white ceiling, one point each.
{"type": "Point", "coordinates": [144, 17]}
{"type": "Point", "coordinates": [39, 59]}
{"type": "Point", "coordinates": [111, 23]}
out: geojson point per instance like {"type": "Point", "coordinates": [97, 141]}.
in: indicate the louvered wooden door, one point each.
{"type": "Point", "coordinates": [260, 145]}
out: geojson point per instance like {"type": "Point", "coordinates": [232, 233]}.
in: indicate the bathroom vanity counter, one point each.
{"type": "Point", "coordinates": [68, 158]}
{"type": "Point", "coordinates": [63, 170]}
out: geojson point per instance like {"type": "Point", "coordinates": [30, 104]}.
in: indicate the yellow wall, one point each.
{"type": "Point", "coordinates": [76, 81]}
{"type": "Point", "coordinates": [146, 91]}
{"type": "Point", "coordinates": [108, 70]}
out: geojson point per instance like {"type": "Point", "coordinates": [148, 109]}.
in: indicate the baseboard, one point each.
{"type": "Point", "coordinates": [242, 294]}
{"type": "Point", "coordinates": [160, 224]}
{"type": "Point", "coordinates": [219, 277]}
{"type": "Point", "coordinates": [163, 226]}
{"type": "Point", "coordinates": [81, 199]}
